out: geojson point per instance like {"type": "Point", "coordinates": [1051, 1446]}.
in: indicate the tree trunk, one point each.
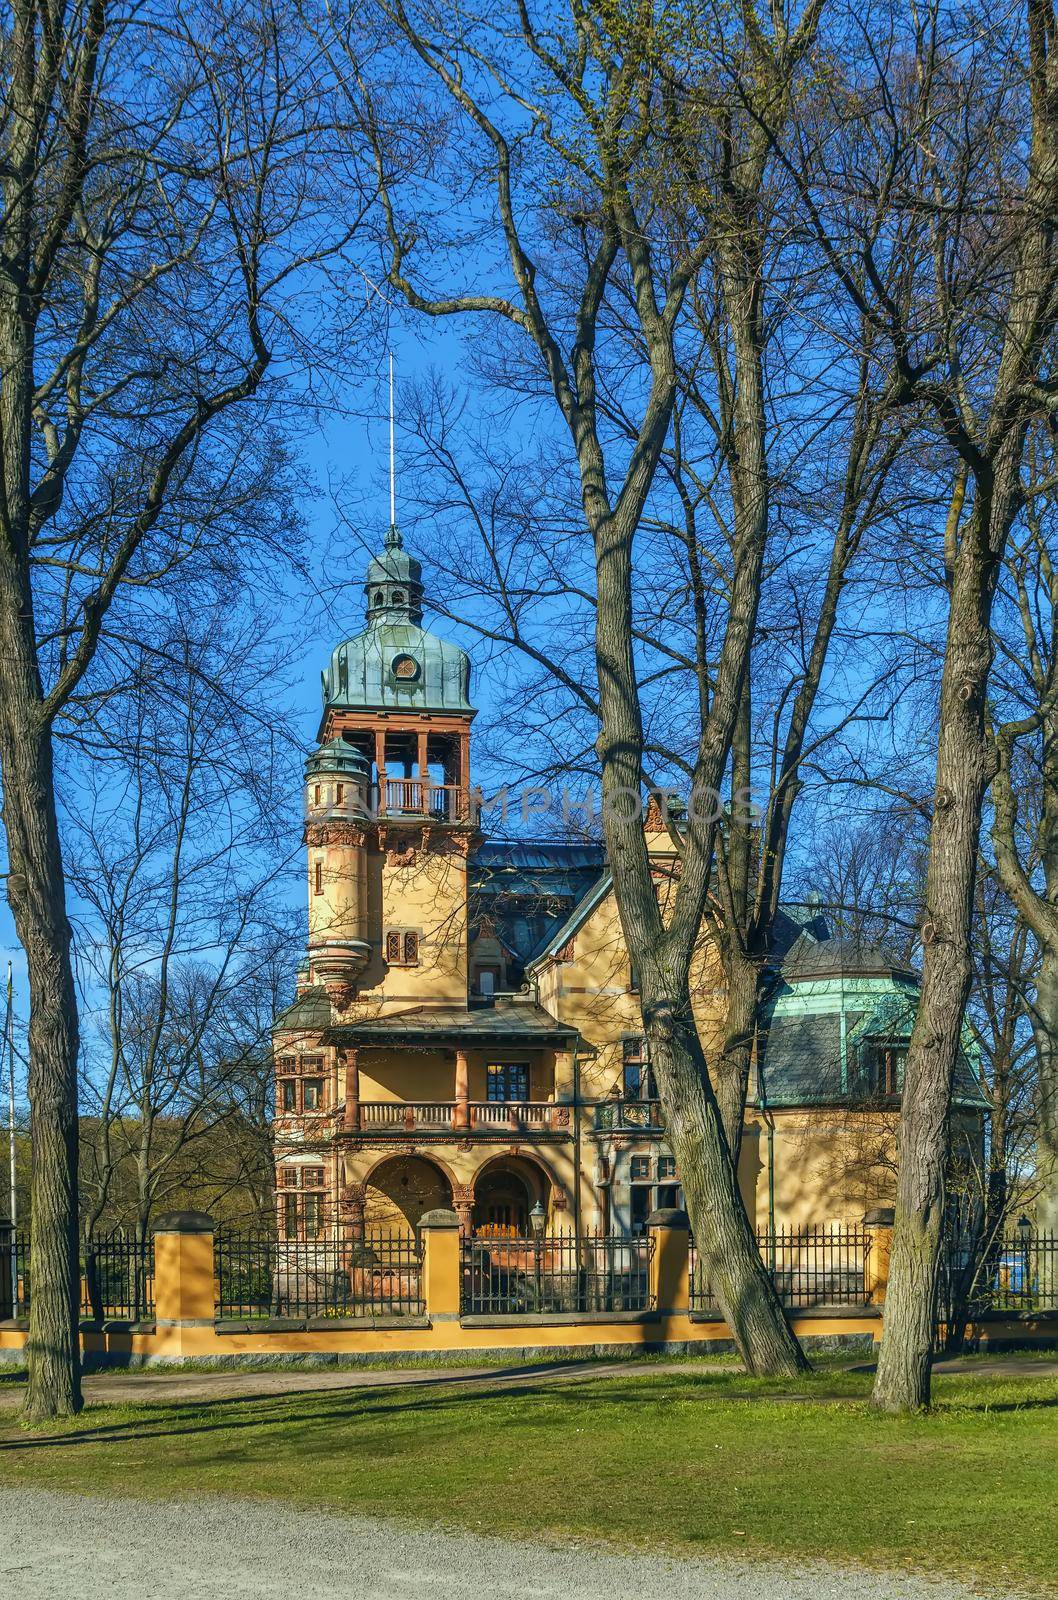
{"type": "Point", "coordinates": [1046, 1032]}
{"type": "Point", "coordinates": [736, 1059]}
{"type": "Point", "coordinates": [964, 769]}
{"type": "Point", "coordinates": [37, 898]}
{"type": "Point", "coordinates": [728, 1258]}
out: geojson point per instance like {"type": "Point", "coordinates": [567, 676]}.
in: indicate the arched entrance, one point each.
{"type": "Point", "coordinates": [399, 1190]}
{"type": "Point", "coordinates": [505, 1192]}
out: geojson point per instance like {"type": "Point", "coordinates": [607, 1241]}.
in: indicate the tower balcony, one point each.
{"type": "Point", "coordinates": [416, 798]}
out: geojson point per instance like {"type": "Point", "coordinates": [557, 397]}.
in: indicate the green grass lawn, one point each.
{"type": "Point", "coordinates": [678, 1461]}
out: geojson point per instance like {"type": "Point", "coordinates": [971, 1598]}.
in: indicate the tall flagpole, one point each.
{"type": "Point", "coordinates": [392, 455]}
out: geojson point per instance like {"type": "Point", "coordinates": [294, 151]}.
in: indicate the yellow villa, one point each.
{"type": "Point", "coordinates": [466, 1032]}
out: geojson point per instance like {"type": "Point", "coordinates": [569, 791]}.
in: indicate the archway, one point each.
{"type": "Point", "coordinates": [505, 1192]}
{"type": "Point", "coordinates": [399, 1190]}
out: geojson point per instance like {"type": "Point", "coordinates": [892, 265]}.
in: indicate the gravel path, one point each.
{"type": "Point", "coordinates": [58, 1545]}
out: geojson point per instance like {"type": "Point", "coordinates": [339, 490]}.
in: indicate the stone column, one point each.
{"type": "Point", "coordinates": [441, 1266]}
{"type": "Point", "coordinates": [463, 1204]}
{"type": "Point", "coordinates": [878, 1224]}
{"type": "Point", "coordinates": [380, 766]}
{"type": "Point", "coordinates": [669, 1261]}
{"type": "Point", "coordinates": [461, 1119]}
{"type": "Point", "coordinates": [353, 1205]}
{"type": "Point", "coordinates": [423, 765]}
{"type": "Point", "coordinates": [184, 1294]}
{"type": "Point", "coordinates": [351, 1118]}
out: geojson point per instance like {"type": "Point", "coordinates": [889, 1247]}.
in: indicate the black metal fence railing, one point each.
{"type": "Point", "coordinates": [1016, 1272]}
{"type": "Point", "coordinates": [117, 1280]}
{"type": "Point", "coordinates": [14, 1273]}
{"type": "Point", "coordinates": [809, 1267]}
{"type": "Point", "coordinates": [555, 1273]}
{"type": "Point", "coordinates": [260, 1276]}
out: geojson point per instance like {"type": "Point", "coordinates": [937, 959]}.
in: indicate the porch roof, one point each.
{"type": "Point", "coordinates": [505, 1021]}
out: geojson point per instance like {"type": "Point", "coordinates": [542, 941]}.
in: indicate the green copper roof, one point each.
{"type": "Point", "coordinates": [395, 664]}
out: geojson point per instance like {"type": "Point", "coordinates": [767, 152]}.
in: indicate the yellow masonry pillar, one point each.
{"type": "Point", "coordinates": [441, 1268]}
{"type": "Point", "coordinates": [669, 1261]}
{"type": "Point", "coordinates": [183, 1273]}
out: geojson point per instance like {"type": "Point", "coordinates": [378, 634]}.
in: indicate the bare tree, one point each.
{"type": "Point", "coordinates": [180, 878]}
{"type": "Point", "coordinates": [612, 186]}
{"type": "Point", "coordinates": [161, 176]}
{"type": "Point", "coordinates": [938, 224]}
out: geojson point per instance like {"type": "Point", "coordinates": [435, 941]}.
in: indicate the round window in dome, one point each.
{"type": "Point", "coordinates": [405, 669]}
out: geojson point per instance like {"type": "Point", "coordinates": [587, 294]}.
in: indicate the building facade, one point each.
{"type": "Point", "coordinates": [466, 1031]}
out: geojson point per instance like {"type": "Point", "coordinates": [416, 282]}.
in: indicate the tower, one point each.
{"type": "Point", "coordinates": [392, 826]}
{"type": "Point", "coordinates": [337, 810]}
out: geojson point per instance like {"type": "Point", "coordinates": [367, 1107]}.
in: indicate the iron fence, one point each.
{"type": "Point", "coordinates": [555, 1273]}
{"type": "Point", "coordinates": [14, 1273]}
{"type": "Point", "coordinates": [809, 1266]}
{"type": "Point", "coordinates": [1016, 1271]}
{"type": "Point", "coordinates": [117, 1280]}
{"type": "Point", "coordinates": [259, 1276]}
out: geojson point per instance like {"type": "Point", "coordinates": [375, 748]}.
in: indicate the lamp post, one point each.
{"type": "Point", "coordinates": [1024, 1233]}
{"type": "Point", "coordinates": [538, 1222]}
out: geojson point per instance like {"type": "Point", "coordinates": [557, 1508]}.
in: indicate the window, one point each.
{"type": "Point", "coordinates": [402, 947]}
{"type": "Point", "coordinates": [313, 1094]}
{"type": "Point", "coordinates": [318, 878]}
{"type": "Point", "coordinates": [312, 1177]}
{"type": "Point", "coordinates": [486, 982]}
{"type": "Point", "coordinates": [507, 1080]}
{"type": "Point", "coordinates": [316, 795]}
{"type": "Point", "coordinates": [290, 1216]}
{"type": "Point", "coordinates": [290, 1095]}
{"type": "Point", "coordinates": [637, 1079]}
{"type": "Point", "coordinates": [666, 1168]}
{"type": "Point", "coordinates": [886, 1067]}
{"type": "Point", "coordinates": [288, 1177]}
{"type": "Point", "coordinates": [639, 1169]}
{"type": "Point", "coordinates": [312, 1211]}
{"type": "Point", "coordinates": [339, 794]}
{"type": "Point", "coordinates": [641, 1207]}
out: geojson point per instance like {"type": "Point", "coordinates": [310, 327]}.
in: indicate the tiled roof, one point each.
{"type": "Point", "coordinates": [511, 1020]}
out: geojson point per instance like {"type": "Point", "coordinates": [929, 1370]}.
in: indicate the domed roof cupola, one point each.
{"type": "Point", "coordinates": [393, 585]}
{"type": "Point", "coordinates": [395, 664]}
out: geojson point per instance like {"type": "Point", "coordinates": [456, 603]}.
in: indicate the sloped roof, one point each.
{"type": "Point", "coordinates": [529, 888]}
{"type": "Point", "coordinates": [813, 957]}
{"type": "Point", "coordinates": [512, 1021]}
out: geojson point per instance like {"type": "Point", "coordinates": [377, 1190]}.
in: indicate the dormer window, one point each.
{"type": "Point", "coordinates": [886, 1064]}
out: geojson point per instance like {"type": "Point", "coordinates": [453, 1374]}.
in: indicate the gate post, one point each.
{"type": "Point", "coordinates": [669, 1261]}
{"type": "Point", "coordinates": [184, 1294]}
{"type": "Point", "coordinates": [441, 1275]}
{"type": "Point", "coordinates": [879, 1225]}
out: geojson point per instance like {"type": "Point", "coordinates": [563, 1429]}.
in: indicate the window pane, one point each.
{"type": "Point", "coordinates": [639, 1166]}
{"type": "Point", "coordinates": [633, 1080]}
{"type": "Point", "coordinates": [313, 1094]}
{"type": "Point", "coordinates": [507, 1080]}
{"type": "Point", "coordinates": [641, 1208]}
{"type": "Point", "coordinates": [290, 1095]}
{"type": "Point", "coordinates": [666, 1166]}
{"type": "Point", "coordinates": [313, 1211]}
{"type": "Point", "coordinates": [290, 1216]}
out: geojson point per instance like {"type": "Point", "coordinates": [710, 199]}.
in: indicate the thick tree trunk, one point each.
{"type": "Point", "coordinates": [37, 898]}
{"type": "Point", "coordinates": [1046, 1029]}
{"type": "Point", "coordinates": [964, 770]}
{"type": "Point", "coordinates": [733, 1067]}
{"type": "Point", "coordinates": [728, 1258]}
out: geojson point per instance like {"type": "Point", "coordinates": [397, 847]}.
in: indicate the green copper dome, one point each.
{"type": "Point", "coordinates": [395, 664]}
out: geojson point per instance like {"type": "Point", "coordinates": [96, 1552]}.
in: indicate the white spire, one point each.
{"type": "Point", "coordinates": [392, 454]}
